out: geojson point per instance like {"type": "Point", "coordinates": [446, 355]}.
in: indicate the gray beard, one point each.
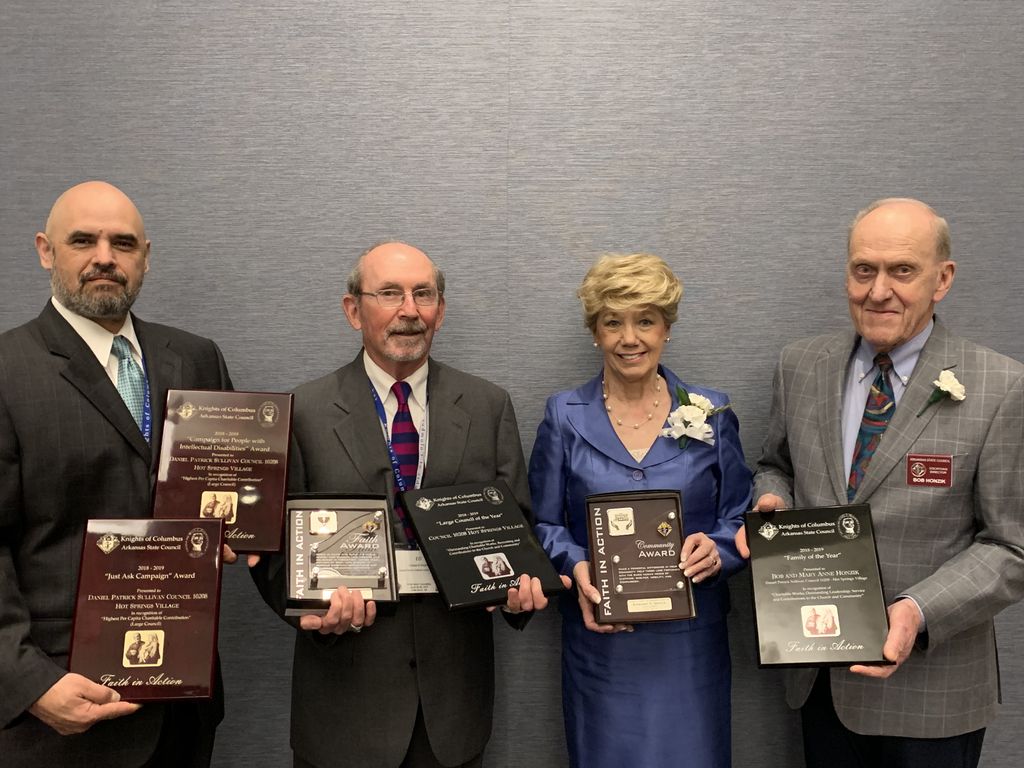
{"type": "Point", "coordinates": [99, 306]}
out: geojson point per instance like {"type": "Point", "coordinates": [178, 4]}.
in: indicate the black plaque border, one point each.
{"type": "Point", "coordinates": [318, 606]}
{"type": "Point", "coordinates": [622, 496]}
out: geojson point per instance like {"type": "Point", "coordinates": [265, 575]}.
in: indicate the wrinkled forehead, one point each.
{"type": "Point", "coordinates": [95, 208]}
{"type": "Point", "coordinates": [397, 264]}
{"type": "Point", "coordinates": [896, 227]}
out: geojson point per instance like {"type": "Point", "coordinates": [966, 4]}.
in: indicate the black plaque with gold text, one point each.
{"type": "Point", "coordinates": [818, 598]}
{"type": "Point", "coordinates": [147, 606]}
{"type": "Point", "coordinates": [636, 541]}
{"type": "Point", "coordinates": [224, 456]}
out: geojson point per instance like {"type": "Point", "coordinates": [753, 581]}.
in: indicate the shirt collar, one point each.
{"type": "Point", "coordinates": [98, 338]}
{"type": "Point", "coordinates": [382, 381]}
{"type": "Point", "coordinates": [904, 357]}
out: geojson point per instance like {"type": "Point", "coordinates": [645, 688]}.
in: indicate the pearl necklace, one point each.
{"type": "Point", "coordinates": [650, 413]}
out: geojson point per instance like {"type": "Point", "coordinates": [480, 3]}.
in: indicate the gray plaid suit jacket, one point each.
{"type": "Point", "coordinates": [958, 551]}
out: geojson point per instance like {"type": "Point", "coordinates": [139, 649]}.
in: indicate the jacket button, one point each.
{"type": "Point", "coordinates": [412, 663]}
{"type": "Point", "coordinates": [638, 474]}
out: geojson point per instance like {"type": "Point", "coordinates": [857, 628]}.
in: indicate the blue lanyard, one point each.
{"type": "Point", "coordinates": [147, 405]}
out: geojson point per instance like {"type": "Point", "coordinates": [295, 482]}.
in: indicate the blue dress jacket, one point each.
{"type": "Point", "coordinates": [578, 453]}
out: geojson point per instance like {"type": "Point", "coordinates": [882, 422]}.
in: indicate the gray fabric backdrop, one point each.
{"type": "Point", "coordinates": [267, 143]}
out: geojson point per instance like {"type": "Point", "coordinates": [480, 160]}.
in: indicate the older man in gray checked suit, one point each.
{"type": "Point", "coordinates": [945, 482]}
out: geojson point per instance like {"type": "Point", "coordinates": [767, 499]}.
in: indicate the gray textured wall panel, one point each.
{"type": "Point", "coordinates": [267, 143]}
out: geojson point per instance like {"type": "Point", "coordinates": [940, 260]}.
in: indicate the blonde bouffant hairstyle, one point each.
{"type": "Point", "coordinates": [624, 281]}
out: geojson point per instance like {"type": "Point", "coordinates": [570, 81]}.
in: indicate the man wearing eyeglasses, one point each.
{"type": "Point", "coordinates": [412, 686]}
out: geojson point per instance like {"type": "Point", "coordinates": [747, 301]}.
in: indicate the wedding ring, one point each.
{"type": "Point", "coordinates": [354, 628]}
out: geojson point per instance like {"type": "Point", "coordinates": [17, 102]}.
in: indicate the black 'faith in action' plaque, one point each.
{"type": "Point", "coordinates": [818, 595]}
{"type": "Point", "coordinates": [334, 541]}
{"type": "Point", "coordinates": [146, 612]}
{"type": "Point", "coordinates": [635, 545]}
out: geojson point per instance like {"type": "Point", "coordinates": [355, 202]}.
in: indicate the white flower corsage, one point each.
{"type": "Point", "coordinates": [945, 386]}
{"type": "Point", "coordinates": [690, 419]}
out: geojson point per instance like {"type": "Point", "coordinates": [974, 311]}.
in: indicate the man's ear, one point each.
{"type": "Point", "coordinates": [350, 305]}
{"type": "Point", "coordinates": [45, 250]}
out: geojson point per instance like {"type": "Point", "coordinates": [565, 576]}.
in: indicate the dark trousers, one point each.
{"type": "Point", "coordinates": [830, 744]}
{"type": "Point", "coordinates": [185, 742]}
{"type": "Point", "coordinates": [419, 754]}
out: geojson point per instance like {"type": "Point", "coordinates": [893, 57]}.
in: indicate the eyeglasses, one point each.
{"type": "Point", "coordinates": [392, 297]}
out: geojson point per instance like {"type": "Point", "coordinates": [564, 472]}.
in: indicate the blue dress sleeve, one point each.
{"type": "Point", "coordinates": [734, 489]}
{"type": "Point", "coordinates": [548, 468]}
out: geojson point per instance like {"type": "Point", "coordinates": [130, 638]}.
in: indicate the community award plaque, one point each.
{"type": "Point", "coordinates": [818, 598]}
{"type": "Point", "coordinates": [224, 456]}
{"type": "Point", "coordinates": [636, 540]}
{"type": "Point", "coordinates": [146, 613]}
{"type": "Point", "coordinates": [477, 542]}
{"type": "Point", "coordinates": [336, 541]}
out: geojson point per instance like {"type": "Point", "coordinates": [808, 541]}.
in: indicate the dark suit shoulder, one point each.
{"type": "Point", "coordinates": [455, 379]}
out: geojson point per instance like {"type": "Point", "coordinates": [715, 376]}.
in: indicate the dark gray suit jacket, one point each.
{"type": "Point", "coordinates": [958, 551]}
{"type": "Point", "coordinates": [70, 451]}
{"type": "Point", "coordinates": [355, 697]}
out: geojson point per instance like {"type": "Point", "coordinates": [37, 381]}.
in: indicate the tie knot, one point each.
{"type": "Point", "coordinates": [122, 349]}
{"type": "Point", "coordinates": [402, 390]}
{"type": "Point", "coordinates": [883, 362]}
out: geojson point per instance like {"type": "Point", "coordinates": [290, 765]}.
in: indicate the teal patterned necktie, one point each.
{"type": "Point", "coordinates": [130, 383]}
{"type": "Point", "coordinates": [878, 412]}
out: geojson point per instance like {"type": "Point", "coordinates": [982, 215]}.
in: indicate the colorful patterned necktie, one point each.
{"type": "Point", "coordinates": [130, 384]}
{"type": "Point", "coordinates": [878, 412]}
{"type": "Point", "coordinates": [405, 443]}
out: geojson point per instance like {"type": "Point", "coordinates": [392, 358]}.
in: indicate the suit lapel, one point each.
{"type": "Point", "coordinates": [448, 427]}
{"type": "Point", "coordinates": [85, 373]}
{"type": "Point", "coordinates": [830, 380]}
{"type": "Point", "coordinates": [590, 421]}
{"type": "Point", "coordinates": [357, 419]}
{"type": "Point", "coordinates": [906, 426]}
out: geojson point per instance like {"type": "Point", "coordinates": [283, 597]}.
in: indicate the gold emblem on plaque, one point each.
{"type": "Point", "coordinates": [107, 543]}
{"type": "Point", "coordinates": [664, 528]}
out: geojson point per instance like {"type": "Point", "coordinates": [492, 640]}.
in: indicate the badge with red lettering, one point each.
{"type": "Point", "coordinates": [927, 470]}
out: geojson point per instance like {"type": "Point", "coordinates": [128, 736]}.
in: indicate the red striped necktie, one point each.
{"type": "Point", "coordinates": [405, 442]}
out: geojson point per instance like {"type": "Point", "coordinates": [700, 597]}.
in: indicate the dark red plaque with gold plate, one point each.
{"type": "Point", "coordinates": [224, 456]}
{"type": "Point", "coordinates": [147, 607]}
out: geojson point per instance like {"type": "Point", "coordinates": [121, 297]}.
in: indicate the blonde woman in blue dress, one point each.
{"type": "Point", "coordinates": [655, 694]}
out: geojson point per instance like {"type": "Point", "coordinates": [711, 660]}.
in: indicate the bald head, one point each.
{"type": "Point", "coordinates": [96, 251]}
{"type": "Point", "coordinates": [906, 210]}
{"type": "Point", "coordinates": [92, 198]}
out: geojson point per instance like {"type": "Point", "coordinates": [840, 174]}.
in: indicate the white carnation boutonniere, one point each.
{"type": "Point", "coordinates": [690, 420]}
{"type": "Point", "coordinates": [946, 385]}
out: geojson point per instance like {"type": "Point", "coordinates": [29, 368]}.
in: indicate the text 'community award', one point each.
{"type": "Point", "coordinates": [146, 613]}
{"type": "Point", "coordinates": [636, 541]}
{"type": "Point", "coordinates": [818, 596]}
{"type": "Point", "coordinates": [224, 456]}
